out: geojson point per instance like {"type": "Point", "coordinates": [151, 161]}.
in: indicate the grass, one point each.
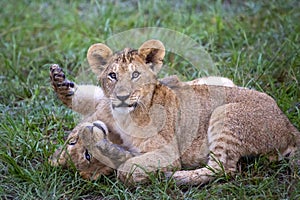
{"type": "Point", "coordinates": [255, 43]}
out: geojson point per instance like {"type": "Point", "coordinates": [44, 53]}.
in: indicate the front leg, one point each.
{"type": "Point", "coordinates": [100, 147]}
{"type": "Point", "coordinates": [81, 98]}
{"type": "Point", "coordinates": [163, 159]}
{"type": "Point", "coordinates": [64, 88]}
{"type": "Point", "coordinates": [132, 167]}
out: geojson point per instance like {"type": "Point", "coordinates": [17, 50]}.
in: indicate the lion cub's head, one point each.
{"type": "Point", "coordinates": [128, 77]}
{"type": "Point", "coordinates": [74, 153]}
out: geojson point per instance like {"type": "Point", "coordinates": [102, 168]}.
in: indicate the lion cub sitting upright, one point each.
{"type": "Point", "coordinates": [186, 125]}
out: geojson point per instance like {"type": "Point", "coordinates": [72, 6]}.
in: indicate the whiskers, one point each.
{"type": "Point", "coordinates": [105, 101]}
{"type": "Point", "coordinates": [141, 104]}
{"type": "Point", "coordinates": [113, 101]}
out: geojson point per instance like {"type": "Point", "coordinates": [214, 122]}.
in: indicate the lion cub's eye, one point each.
{"type": "Point", "coordinates": [112, 76]}
{"type": "Point", "coordinates": [87, 155]}
{"type": "Point", "coordinates": [73, 141]}
{"type": "Point", "coordinates": [135, 74]}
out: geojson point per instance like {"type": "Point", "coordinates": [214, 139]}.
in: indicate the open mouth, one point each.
{"type": "Point", "coordinates": [125, 105]}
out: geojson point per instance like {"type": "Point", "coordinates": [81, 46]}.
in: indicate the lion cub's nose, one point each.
{"type": "Point", "coordinates": [123, 97]}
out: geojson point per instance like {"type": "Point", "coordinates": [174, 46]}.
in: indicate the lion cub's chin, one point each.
{"type": "Point", "coordinates": [123, 110]}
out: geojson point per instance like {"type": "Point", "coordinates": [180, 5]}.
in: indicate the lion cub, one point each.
{"type": "Point", "coordinates": [74, 152]}
{"type": "Point", "coordinates": [90, 102]}
{"type": "Point", "coordinates": [183, 125]}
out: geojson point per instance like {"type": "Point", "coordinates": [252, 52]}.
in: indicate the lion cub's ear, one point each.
{"type": "Point", "coordinates": [98, 56]}
{"type": "Point", "coordinates": [153, 51]}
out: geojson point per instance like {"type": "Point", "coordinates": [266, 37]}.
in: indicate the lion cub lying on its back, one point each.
{"type": "Point", "coordinates": [75, 153]}
{"type": "Point", "coordinates": [179, 126]}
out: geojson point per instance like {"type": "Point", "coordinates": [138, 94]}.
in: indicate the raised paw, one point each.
{"type": "Point", "coordinates": [62, 86]}
{"type": "Point", "coordinates": [94, 137]}
{"type": "Point", "coordinates": [93, 132]}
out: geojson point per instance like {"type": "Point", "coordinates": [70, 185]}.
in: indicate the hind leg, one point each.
{"type": "Point", "coordinates": [224, 162]}
{"type": "Point", "coordinates": [220, 163]}
{"type": "Point", "coordinates": [243, 129]}
{"type": "Point", "coordinates": [224, 147]}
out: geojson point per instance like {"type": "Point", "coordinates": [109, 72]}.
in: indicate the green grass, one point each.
{"type": "Point", "coordinates": [255, 43]}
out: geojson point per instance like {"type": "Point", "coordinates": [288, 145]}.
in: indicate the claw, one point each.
{"type": "Point", "coordinates": [59, 75]}
{"type": "Point", "coordinates": [101, 126]}
{"type": "Point", "coordinates": [65, 84]}
{"type": "Point", "coordinates": [72, 84]}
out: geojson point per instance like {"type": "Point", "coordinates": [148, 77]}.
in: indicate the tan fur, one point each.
{"type": "Point", "coordinates": [230, 122]}
{"type": "Point", "coordinates": [90, 102]}
{"type": "Point", "coordinates": [75, 153]}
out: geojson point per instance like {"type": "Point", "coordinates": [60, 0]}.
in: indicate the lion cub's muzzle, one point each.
{"type": "Point", "coordinates": [123, 101]}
